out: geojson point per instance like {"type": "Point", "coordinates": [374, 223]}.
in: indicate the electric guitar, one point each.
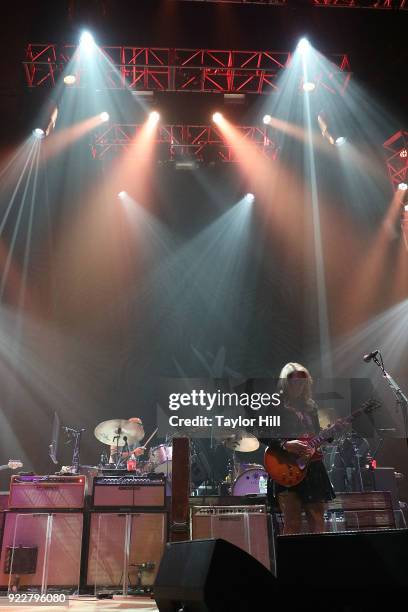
{"type": "Point", "coordinates": [13, 464]}
{"type": "Point", "coordinates": [288, 469]}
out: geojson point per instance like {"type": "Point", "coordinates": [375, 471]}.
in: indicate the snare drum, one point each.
{"type": "Point", "coordinates": [248, 482]}
{"type": "Point", "coordinates": [160, 458]}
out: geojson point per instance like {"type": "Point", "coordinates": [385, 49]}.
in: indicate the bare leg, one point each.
{"type": "Point", "coordinates": [291, 508]}
{"type": "Point", "coordinates": [315, 516]}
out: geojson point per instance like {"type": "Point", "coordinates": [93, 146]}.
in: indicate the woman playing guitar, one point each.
{"type": "Point", "coordinates": [299, 417]}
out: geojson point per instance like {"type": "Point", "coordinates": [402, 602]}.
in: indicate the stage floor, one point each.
{"type": "Point", "coordinates": [87, 603]}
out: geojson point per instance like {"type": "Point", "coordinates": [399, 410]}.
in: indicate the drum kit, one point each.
{"type": "Point", "coordinates": [244, 478]}
{"type": "Point", "coordinates": [125, 438]}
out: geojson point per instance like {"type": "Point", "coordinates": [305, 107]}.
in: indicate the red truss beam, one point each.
{"type": "Point", "coordinates": [174, 142]}
{"type": "Point", "coordinates": [397, 157]}
{"type": "Point", "coordinates": [364, 4]}
{"type": "Point", "coordinates": [165, 69]}
{"type": "Point", "coordinates": [267, 2]}
{"type": "Point", "coordinates": [355, 4]}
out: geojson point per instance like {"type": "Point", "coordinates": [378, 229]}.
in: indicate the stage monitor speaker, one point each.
{"type": "Point", "coordinates": [27, 534]}
{"type": "Point", "coordinates": [348, 561]}
{"type": "Point", "coordinates": [211, 576]}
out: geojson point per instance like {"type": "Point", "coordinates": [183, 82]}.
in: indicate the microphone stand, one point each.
{"type": "Point", "coordinates": [76, 435]}
{"type": "Point", "coordinates": [400, 397]}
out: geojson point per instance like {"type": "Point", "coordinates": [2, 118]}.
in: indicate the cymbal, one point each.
{"type": "Point", "coordinates": [107, 431]}
{"type": "Point", "coordinates": [243, 443]}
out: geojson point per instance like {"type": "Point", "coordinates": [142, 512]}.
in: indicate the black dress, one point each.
{"type": "Point", "coordinates": [300, 419]}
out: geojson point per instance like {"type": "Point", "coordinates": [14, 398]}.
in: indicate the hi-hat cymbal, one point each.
{"type": "Point", "coordinates": [243, 443]}
{"type": "Point", "coordinates": [107, 431]}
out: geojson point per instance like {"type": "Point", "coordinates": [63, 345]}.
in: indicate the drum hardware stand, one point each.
{"type": "Point", "coordinates": [357, 467]}
{"type": "Point", "coordinates": [118, 457]}
{"type": "Point", "coordinates": [103, 461]}
{"type": "Point", "coordinates": [147, 566]}
{"type": "Point", "coordinates": [75, 434]}
{"type": "Point", "coordinates": [125, 449]}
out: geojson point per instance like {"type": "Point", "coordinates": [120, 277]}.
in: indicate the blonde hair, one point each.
{"type": "Point", "coordinates": [291, 368]}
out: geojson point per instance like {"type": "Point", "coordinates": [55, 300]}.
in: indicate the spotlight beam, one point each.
{"type": "Point", "coordinates": [35, 145]}
{"type": "Point", "coordinates": [322, 309]}
{"type": "Point", "coordinates": [17, 223]}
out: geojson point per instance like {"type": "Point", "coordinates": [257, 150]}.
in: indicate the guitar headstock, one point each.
{"type": "Point", "coordinates": [14, 464]}
{"type": "Point", "coordinates": [370, 405]}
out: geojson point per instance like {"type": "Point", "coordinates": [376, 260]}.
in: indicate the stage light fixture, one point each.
{"type": "Point", "coordinates": [250, 198]}
{"type": "Point", "coordinates": [303, 46]}
{"type": "Point", "coordinates": [217, 117]}
{"type": "Point", "coordinates": [122, 194]}
{"type": "Point", "coordinates": [403, 153]}
{"type": "Point", "coordinates": [69, 79]}
{"type": "Point", "coordinates": [403, 186]}
{"type": "Point", "coordinates": [38, 133]}
{"type": "Point", "coordinates": [340, 140]}
{"type": "Point", "coordinates": [86, 40]}
{"type": "Point", "coordinates": [104, 116]}
{"type": "Point", "coordinates": [154, 117]}
{"type": "Point", "coordinates": [234, 98]}
{"type": "Point", "coordinates": [308, 86]}
{"type": "Point", "coordinates": [267, 119]}
{"type": "Point", "coordinates": [186, 164]}
{"type": "Point", "coordinates": [406, 207]}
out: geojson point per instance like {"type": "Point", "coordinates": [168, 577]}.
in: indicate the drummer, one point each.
{"type": "Point", "coordinates": [137, 451]}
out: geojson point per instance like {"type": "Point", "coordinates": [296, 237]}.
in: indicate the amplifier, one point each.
{"type": "Point", "coordinates": [244, 526]}
{"type": "Point", "coordinates": [369, 519]}
{"type": "Point", "coordinates": [26, 535]}
{"type": "Point", "coordinates": [371, 500]}
{"type": "Point", "coordinates": [113, 536]}
{"type": "Point", "coordinates": [65, 492]}
{"type": "Point", "coordinates": [382, 479]}
{"type": "Point", "coordinates": [129, 491]}
{"type": "Point", "coordinates": [4, 495]}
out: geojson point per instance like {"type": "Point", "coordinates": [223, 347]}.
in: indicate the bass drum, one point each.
{"type": "Point", "coordinates": [251, 482]}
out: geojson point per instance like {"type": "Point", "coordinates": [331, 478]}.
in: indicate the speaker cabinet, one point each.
{"type": "Point", "coordinates": [212, 576]}
{"type": "Point", "coordinates": [27, 532]}
{"type": "Point", "coordinates": [111, 535]}
{"type": "Point", "coordinates": [243, 526]}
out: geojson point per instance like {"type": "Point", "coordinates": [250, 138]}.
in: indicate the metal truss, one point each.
{"type": "Point", "coordinates": [364, 4]}
{"type": "Point", "coordinates": [165, 69]}
{"type": "Point", "coordinates": [202, 143]}
{"type": "Point", "coordinates": [397, 158]}
{"type": "Point", "coordinates": [355, 4]}
{"type": "Point", "coordinates": [267, 2]}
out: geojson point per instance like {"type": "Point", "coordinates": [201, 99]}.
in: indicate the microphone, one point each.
{"type": "Point", "coordinates": [367, 358]}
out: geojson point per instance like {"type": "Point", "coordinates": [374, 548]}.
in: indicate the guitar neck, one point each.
{"type": "Point", "coordinates": [340, 424]}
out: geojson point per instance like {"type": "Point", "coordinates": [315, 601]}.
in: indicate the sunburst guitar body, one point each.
{"type": "Point", "coordinates": [288, 469]}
